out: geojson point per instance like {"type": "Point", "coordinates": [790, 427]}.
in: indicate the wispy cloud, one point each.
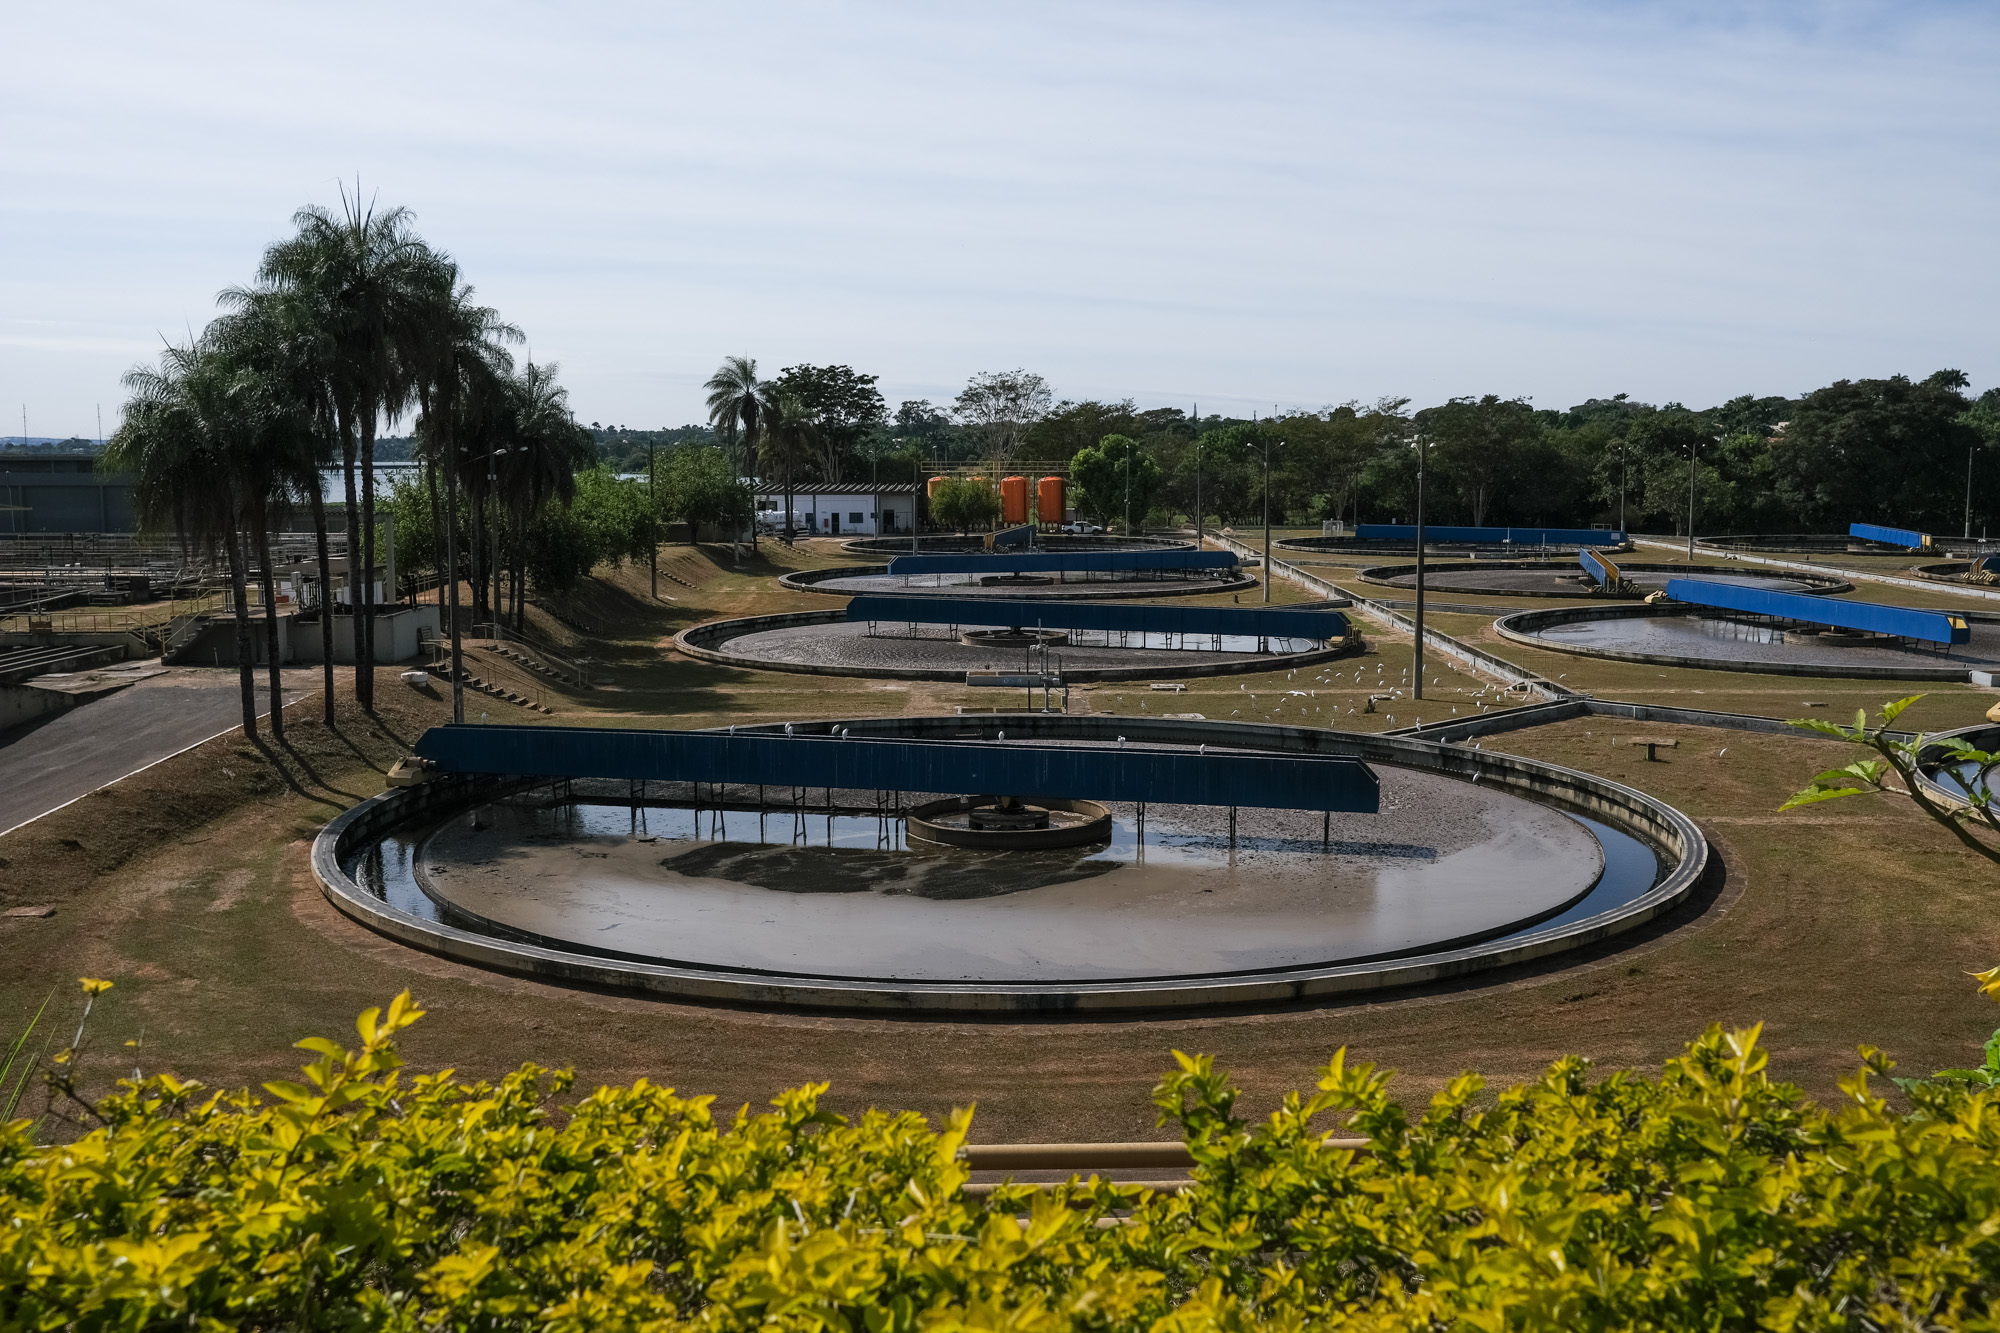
{"type": "Point", "coordinates": [1243, 204]}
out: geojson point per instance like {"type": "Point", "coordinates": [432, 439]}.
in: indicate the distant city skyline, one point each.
{"type": "Point", "coordinates": [1252, 206]}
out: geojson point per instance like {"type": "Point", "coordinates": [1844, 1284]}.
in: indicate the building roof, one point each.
{"type": "Point", "coordinates": [812, 488]}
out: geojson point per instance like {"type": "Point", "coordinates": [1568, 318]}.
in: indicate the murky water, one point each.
{"type": "Point", "coordinates": [846, 896]}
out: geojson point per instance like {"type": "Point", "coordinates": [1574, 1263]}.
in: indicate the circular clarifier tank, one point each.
{"type": "Point", "coordinates": [1426, 873]}
{"type": "Point", "coordinates": [1470, 862]}
{"type": "Point", "coordinates": [1683, 637]}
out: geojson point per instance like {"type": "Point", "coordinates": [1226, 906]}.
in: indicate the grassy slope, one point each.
{"type": "Point", "coordinates": [189, 885]}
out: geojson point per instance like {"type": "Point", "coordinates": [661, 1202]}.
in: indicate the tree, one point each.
{"type": "Point", "coordinates": [736, 402]}
{"type": "Point", "coordinates": [790, 437]}
{"type": "Point", "coordinates": [368, 275]}
{"type": "Point", "coordinates": [190, 430]}
{"type": "Point", "coordinates": [291, 340]}
{"type": "Point", "coordinates": [964, 503]}
{"type": "Point", "coordinates": [1002, 406]}
{"type": "Point", "coordinates": [1073, 427]}
{"type": "Point", "coordinates": [606, 520]}
{"type": "Point", "coordinates": [844, 407]}
{"type": "Point", "coordinates": [1326, 452]}
{"type": "Point", "coordinates": [545, 449]}
{"type": "Point", "coordinates": [1114, 478]}
{"type": "Point", "coordinates": [1896, 770]}
{"type": "Point", "coordinates": [459, 364]}
{"type": "Point", "coordinates": [1890, 450]}
{"type": "Point", "coordinates": [1477, 446]}
{"type": "Point", "coordinates": [698, 485]}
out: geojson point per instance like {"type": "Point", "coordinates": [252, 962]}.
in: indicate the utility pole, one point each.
{"type": "Point", "coordinates": [1197, 476]}
{"type": "Point", "coordinates": [1968, 490]}
{"type": "Point", "coordinates": [916, 492]}
{"type": "Point", "coordinates": [451, 558]}
{"type": "Point", "coordinates": [1423, 453]}
{"type": "Point", "coordinates": [653, 503]}
{"type": "Point", "coordinates": [1268, 445]}
{"type": "Point", "coordinates": [493, 492]}
{"type": "Point", "coordinates": [1624, 482]}
{"type": "Point", "coordinates": [1694, 452]}
{"type": "Point", "coordinates": [1129, 451]}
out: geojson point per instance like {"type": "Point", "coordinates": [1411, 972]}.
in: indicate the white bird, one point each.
{"type": "Point", "coordinates": [1003, 736]}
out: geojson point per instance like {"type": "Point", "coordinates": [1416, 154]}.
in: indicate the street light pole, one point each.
{"type": "Point", "coordinates": [493, 494]}
{"type": "Point", "coordinates": [1197, 476]}
{"type": "Point", "coordinates": [653, 504]}
{"type": "Point", "coordinates": [1268, 446]}
{"type": "Point", "coordinates": [451, 559]}
{"type": "Point", "coordinates": [1423, 452]}
{"type": "Point", "coordinates": [1129, 451]}
{"type": "Point", "coordinates": [1694, 452]}
{"type": "Point", "coordinates": [1968, 491]}
{"type": "Point", "coordinates": [1624, 482]}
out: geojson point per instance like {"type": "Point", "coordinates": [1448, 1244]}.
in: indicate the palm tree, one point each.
{"type": "Point", "coordinates": [737, 399]}
{"type": "Point", "coordinates": [187, 440]}
{"type": "Point", "coordinates": [457, 365]}
{"type": "Point", "coordinates": [547, 447]}
{"type": "Point", "coordinates": [790, 436]}
{"type": "Point", "coordinates": [368, 273]}
{"type": "Point", "coordinates": [285, 338]}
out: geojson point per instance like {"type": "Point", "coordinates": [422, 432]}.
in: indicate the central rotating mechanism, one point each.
{"type": "Point", "coordinates": [1007, 823]}
{"type": "Point", "coordinates": [1018, 637]}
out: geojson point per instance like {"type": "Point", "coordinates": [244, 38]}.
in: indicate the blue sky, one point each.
{"type": "Point", "coordinates": [1249, 205]}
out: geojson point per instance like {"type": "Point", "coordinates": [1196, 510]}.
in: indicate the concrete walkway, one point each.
{"type": "Point", "coordinates": [46, 765]}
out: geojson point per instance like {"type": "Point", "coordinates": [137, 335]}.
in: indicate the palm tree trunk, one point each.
{"type": "Point", "coordinates": [274, 671]}
{"type": "Point", "coordinates": [246, 666]}
{"type": "Point", "coordinates": [474, 559]}
{"type": "Point", "coordinates": [451, 544]}
{"type": "Point", "coordinates": [353, 548]}
{"type": "Point", "coordinates": [437, 531]}
{"type": "Point", "coordinates": [364, 678]}
{"type": "Point", "coordinates": [788, 502]}
{"type": "Point", "coordinates": [325, 604]}
{"type": "Point", "coordinates": [520, 574]}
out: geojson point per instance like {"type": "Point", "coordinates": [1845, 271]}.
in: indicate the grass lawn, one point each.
{"type": "Point", "coordinates": [189, 886]}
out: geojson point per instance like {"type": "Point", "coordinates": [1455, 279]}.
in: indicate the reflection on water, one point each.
{"type": "Point", "coordinates": [816, 853]}
{"type": "Point", "coordinates": [1165, 642]}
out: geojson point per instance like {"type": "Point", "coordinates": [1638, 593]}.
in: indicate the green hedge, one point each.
{"type": "Point", "coordinates": [1709, 1197]}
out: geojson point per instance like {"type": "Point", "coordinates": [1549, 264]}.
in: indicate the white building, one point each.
{"type": "Point", "coordinates": [839, 509]}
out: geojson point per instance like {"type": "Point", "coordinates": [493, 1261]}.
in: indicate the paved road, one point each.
{"type": "Point", "coordinates": [50, 763]}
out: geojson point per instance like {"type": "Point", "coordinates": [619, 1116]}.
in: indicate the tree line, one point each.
{"type": "Point", "coordinates": [1892, 449]}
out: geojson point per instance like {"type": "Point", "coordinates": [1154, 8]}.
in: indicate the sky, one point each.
{"type": "Point", "coordinates": [1252, 206]}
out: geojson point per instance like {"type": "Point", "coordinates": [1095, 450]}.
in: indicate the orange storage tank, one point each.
{"type": "Point", "coordinates": [1014, 499]}
{"type": "Point", "coordinates": [1049, 495]}
{"type": "Point", "coordinates": [930, 487]}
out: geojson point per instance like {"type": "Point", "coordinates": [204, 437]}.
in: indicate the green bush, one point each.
{"type": "Point", "coordinates": [359, 1199]}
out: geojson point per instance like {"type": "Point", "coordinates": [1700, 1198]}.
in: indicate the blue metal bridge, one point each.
{"type": "Point", "coordinates": [1907, 538]}
{"type": "Point", "coordinates": [1029, 613]}
{"type": "Point", "coordinates": [1939, 627]}
{"type": "Point", "coordinates": [966, 768]}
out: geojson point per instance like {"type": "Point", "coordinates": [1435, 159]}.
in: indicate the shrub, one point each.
{"type": "Point", "coordinates": [358, 1199]}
